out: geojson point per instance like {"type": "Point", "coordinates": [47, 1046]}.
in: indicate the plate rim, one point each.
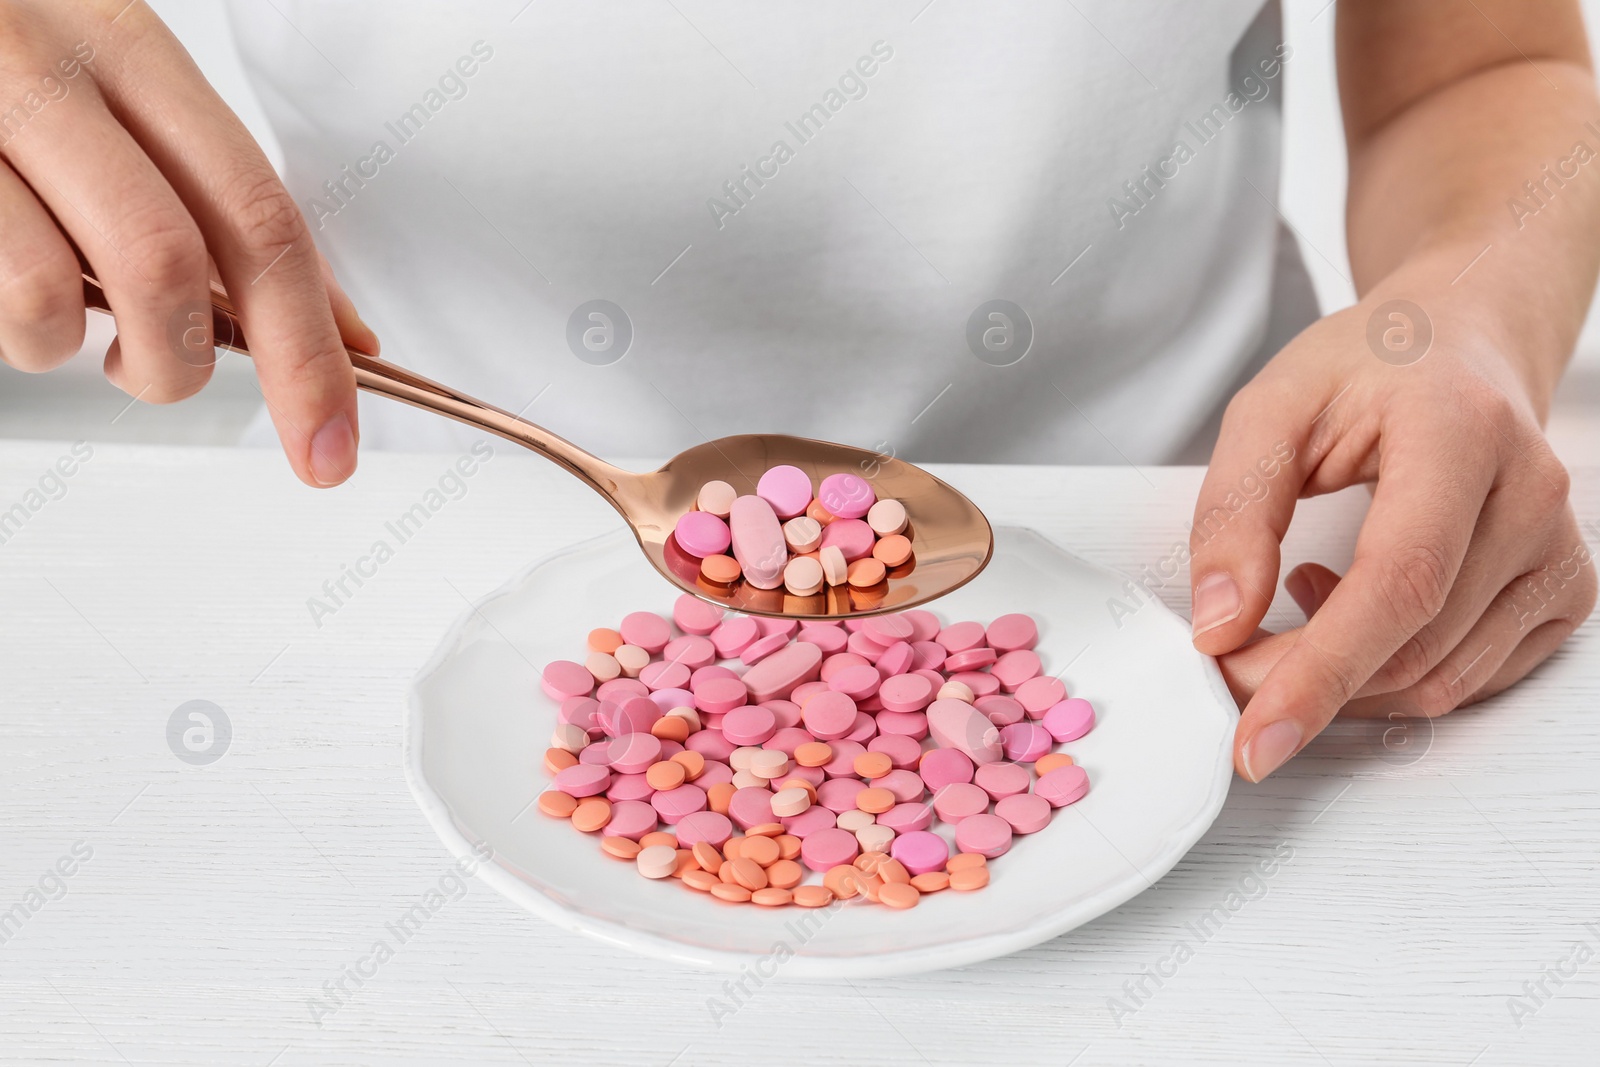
{"type": "Point", "coordinates": [878, 965]}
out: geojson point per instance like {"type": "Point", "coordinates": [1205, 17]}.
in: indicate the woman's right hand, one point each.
{"type": "Point", "coordinates": [109, 135]}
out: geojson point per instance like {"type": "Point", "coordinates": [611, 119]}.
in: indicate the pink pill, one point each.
{"type": "Point", "coordinates": [961, 636]}
{"type": "Point", "coordinates": [667, 699]}
{"type": "Point", "coordinates": [629, 787]}
{"type": "Point", "coordinates": [749, 725]}
{"type": "Point", "coordinates": [861, 645]}
{"type": "Point", "coordinates": [631, 819]}
{"type": "Point", "coordinates": [960, 801]}
{"type": "Point", "coordinates": [1000, 710]}
{"type": "Point", "coordinates": [906, 817]}
{"type": "Point", "coordinates": [865, 729]}
{"type": "Point", "coordinates": [1039, 695]}
{"type": "Point", "coordinates": [633, 753]}
{"type": "Point", "coordinates": [987, 835]}
{"type": "Point", "coordinates": [786, 627]}
{"type": "Point", "coordinates": [1062, 786]}
{"type": "Point", "coordinates": [582, 780]}
{"type": "Point", "coordinates": [1024, 742]}
{"type": "Point", "coordinates": [927, 656]}
{"type": "Point", "coordinates": [888, 629]}
{"type": "Point", "coordinates": [905, 786]}
{"type": "Point", "coordinates": [925, 625]}
{"type": "Point", "coordinates": [721, 695]}
{"type": "Point", "coordinates": [909, 724]}
{"type": "Point", "coordinates": [806, 690]}
{"type": "Point", "coordinates": [973, 659]}
{"type": "Point", "coordinates": [635, 715]}
{"type": "Point", "coordinates": [762, 647]}
{"type": "Point", "coordinates": [674, 804]}
{"type": "Point", "coordinates": [691, 650]}
{"type": "Point", "coordinates": [712, 827]}
{"type": "Point", "coordinates": [808, 822]}
{"type": "Point", "coordinates": [785, 739]}
{"type": "Point", "coordinates": [842, 661]}
{"type": "Point", "coordinates": [596, 755]}
{"type": "Point", "coordinates": [735, 635]}
{"type": "Point", "coordinates": [562, 679]}
{"type": "Point", "coordinates": [786, 713]}
{"type": "Point", "coordinates": [1002, 779]}
{"type": "Point", "coordinates": [871, 703]}
{"type": "Point", "coordinates": [647, 630]}
{"type": "Point", "coordinates": [705, 674]}
{"type": "Point", "coordinates": [829, 715]}
{"type": "Point", "coordinates": [669, 748]}
{"type": "Point", "coordinates": [920, 851]}
{"type": "Point", "coordinates": [579, 711]}
{"type": "Point", "coordinates": [852, 537]}
{"type": "Point", "coordinates": [906, 692]}
{"type": "Point", "coordinates": [815, 775]}
{"type": "Point", "coordinates": [1009, 633]}
{"type": "Point", "coordinates": [695, 616]}
{"type": "Point", "coordinates": [846, 496]}
{"type": "Point", "coordinates": [1070, 719]}
{"type": "Point", "coordinates": [775, 677]}
{"type": "Point", "coordinates": [830, 639]}
{"type": "Point", "coordinates": [843, 764]}
{"type": "Point", "coordinates": [619, 688]}
{"type": "Point", "coordinates": [838, 794]}
{"type": "Point", "coordinates": [826, 849]}
{"type": "Point", "coordinates": [903, 752]}
{"type": "Point", "coordinates": [857, 683]}
{"type": "Point", "coordinates": [982, 683]}
{"type": "Point", "coordinates": [751, 806]}
{"type": "Point", "coordinates": [787, 489]}
{"type": "Point", "coordinates": [940, 767]}
{"type": "Point", "coordinates": [758, 542]}
{"type": "Point", "coordinates": [1014, 668]}
{"type": "Point", "coordinates": [715, 773]}
{"type": "Point", "coordinates": [896, 659]}
{"type": "Point", "coordinates": [664, 674]}
{"type": "Point", "coordinates": [701, 534]}
{"type": "Point", "coordinates": [711, 744]}
{"type": "Point", "coordinates": [958, 725]}
{"type": "Point", "coordinates": [1025, 813]}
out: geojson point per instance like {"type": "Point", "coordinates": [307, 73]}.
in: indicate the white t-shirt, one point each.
{"type": "Point", "coordinates": [1012, 232]}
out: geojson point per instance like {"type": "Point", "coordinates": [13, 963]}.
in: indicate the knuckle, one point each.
{"type": "Point", "coordinates": [1552, 482]}
{"type": "Point", "coordinates": [167, 251]}
{"type": "Point", "coordinates": [1439, 694]}
{"type": "Point", "coordinates": [266, 215]}
{"type": "Point", "coordinates": [39, 290]}
{"type": "Point", "coordinates": [1411, 661]}
{"type": "Point", "coordinates": [1415, 582]}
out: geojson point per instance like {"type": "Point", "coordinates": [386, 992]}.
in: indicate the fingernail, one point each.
{"type": "Point", "coordinates": [333, 451]}
{"type": "Point", "coordinates": [1271, 747]}
{"type": "Point", "coordinates": [1216, 601]}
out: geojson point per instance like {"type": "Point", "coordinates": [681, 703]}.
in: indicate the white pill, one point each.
{"type": "Point", "coordinates": [887, 517]}
{"type": "Point", "coordinates": [955, 691]}
{"type": "Point", "coordinates": [569, 738]}
{"type": "Point", "coordinates": [716, 498]}
{"type": "Point", "coordinates": [802, 533]}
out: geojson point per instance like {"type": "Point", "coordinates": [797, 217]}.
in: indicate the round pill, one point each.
{"type": "Point", "coordinates": [963, 860]}
{"type": "Point", "coordinates": [702, 534]}
{"type": "Point", "coordinates": [906, 817]}
{"type": "Point", "coordinates": [659, 837]}
{"type": "Point", "coordinates": [835, 568]}
{"type": "Point", "coordinates": [1025, 813]}
{"type": "Point", "coordinates": [657, 861]}
{"type": "Point", "coordinates": [786, 802]}
{"type": "Point", "coordinates": [749, 725]}
{"type": "Point", "coordinates": [969, 878]}
{"type": "Point", "coordinates": [852, 537]}
{"type": "Point", "coordinates": [874, 838]}
{"type": "Point", "coordinates": [1050, 761]}
{"type": "Point", "coordinates": [721, 695]}
{"type": "Point", "coordinates": [920, 851]}
{"type": "Point", "coordinates": [1002, 779]}
{"type": "Point", "coordinates": [751, 806]}
{"type": "Point", "coordinates": [604, 639]}
{"type": "Point", "coordinates": [673, 804]}
{"type": "Point", "coordinates": [839, 794]}
{"type": "Point", "coordinates": [733, 894]}
{"type": "Point", "coordinates": [734, 635]}
{"type": "Point", "coordinates": [812, 896]}
{"type": "Point", "coordinates": [748, 873]}
{"type": "Point", "coordinates": [664, 675]}
{"type": "Point", "coordinates": [866, 573]}
{"type": "Point", "coordinates": [556, 804]}
{"type": "Point", "coordinates": [700, 880]}
{"type": "Point", "coordinates": [905, 692]}
{"type": "Point", "coordinates": [960, 801]}
{"type": "Point", "coordinates": [955, 691]}
{"type": "Point", "coordinates": [892, 551]}
{"type": "Point", "coordinates": [557, 760]}
{"type": "Point", "coordinates": [647, 630]}
{"type": "Point", "coordinates": [666, 775]}
{"type": "Point", "coordinates": [694, 617]}
{"type": "Point", "coordinates": [1010, 633]}
{"type": "Point", "coordinates": [887, 517]}
{"type": "Point", "coordinates": [569, 738]}
{"type": "Point", "coordinates": [905, 785]}
{"type": "Point", "coordinates": [1000, 710]}
{"type": "Point", "coordinates": [1039, 695]}
{"type": "Point", "coordinates": [716, 498]}
{"type": "Point", "coordinates": [987, 835]}
{"type": "Point", "coordinates": [903, 752]}
{"type": "Point", "coordinates": [982, 683]}
{"type": "Point", "coordinates": [1069, 720]}
{"type": "Point", "coordinates": [583, 780]}
{"type": "Point", "coordinates": [1025, 742]}
{"type": "Point", "coordinates": [629, 787]}
{"type": "Point", "coordinates": [633, 753]}
{"type": "Point", "coordinates": [813, 753]}
{"type": "Point", "coordinates": [721, 570]}
{"type": "Point", "coordinates": [603, 666]}
{"type": "Point", "coordinates": [597, 814]}
{"type": "Point", "coordinates": [1014, 668]}
{"type": "Point", "coordinates": [875, 800]}
{"type": "Point", "coordinates": [846, 496]}
{"type": "Point", "coordinates": [896, 659]}
{"type": "Point", "coordinates": [972, 659]}
{"type": "Point", "coordinates": [1063, 786]}
{"type": "Point", "coordinates": [768, 763]}
{"type": "Point", "coordinates": [762, 850]}
{"type": "Point", "coordinates": [704, 827]}
{"type": "Point", "coordinates": [670, 729]}
{"type": "Point", "coordinates": [620, 847]}
{"type": "Point", "coordinates": [932, 882]}
{"type": "Point", "coordinates": [803, 534]}
{"type": "Point", "coordinates": [898, 896]}
{"type": "Point", "coordinates": [873, 765]}
{"type": "Point", "coordinates": [802, 576]}
{"type": "Point", "coordinates": [808, 822]}
{"type": "Point", "coordinates": [829, 715]}
{"type": "Point", "coordinates": [787, 489]}
{"type": "Point", "coordinates": [771, 897]}
{"type": "Point", "coordinates": [562, 678]}
{"type": "Point", "coordinates": [854, 819]}
{"type": "Point", "coordinates": [719, 796]}
{"type": "Point", "coordinates": [632, 659]}
{"type": "Point", "coordinates": [826, 849]}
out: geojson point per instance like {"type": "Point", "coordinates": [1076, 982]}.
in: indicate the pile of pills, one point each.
{"type": "Point", "coordinates": [835, 750]}
{"type": "Point", "coordinates": [788, 537]}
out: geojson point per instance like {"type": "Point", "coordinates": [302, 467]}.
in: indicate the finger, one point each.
{"type": "Point", "coordinates": [1243, 510]}
{"type": "Point", "coordinates": [1246, 667]}
{"type": "Point", "coordinates": [356, 333]}
{"type": "Point", "coordinates": [41, 294]}
{"type": "Point", "coordinates": [1310, 584]}
{"type": "Point", "coordinates": [1407, 557]}
{"type": "Point", "coordinates": [258, 238]}
{"type": "Point", "coordinates": [145, 249]}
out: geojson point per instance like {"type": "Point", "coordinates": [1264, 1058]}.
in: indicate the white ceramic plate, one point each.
{"type": "Point", "coordinates": [1159, 763]}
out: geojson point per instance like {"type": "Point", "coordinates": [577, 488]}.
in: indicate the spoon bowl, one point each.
{"type": "Point", "coordinates": [951, 540]}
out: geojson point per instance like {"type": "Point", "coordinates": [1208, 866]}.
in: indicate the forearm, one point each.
{"type": "Point", "coordinates": [1483, 199]}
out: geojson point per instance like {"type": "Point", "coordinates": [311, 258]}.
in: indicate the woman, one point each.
{"type": "Point", "coordinates": [1027, 232]}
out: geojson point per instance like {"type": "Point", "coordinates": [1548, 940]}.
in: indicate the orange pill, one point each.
{"type": "Point", "coordinates": [694, 764]}
{"type": "Point", "coordinates": [813, 754]}
{"type": "Point", "coordinates": [812, 896]}
{"type": "Point", "coordinates": [818, 513]}
{"type": "Point", "coordinates": [604, 640]}
{"type": "Point", "coordinates": [868, 861]}
{"type": "Point", "coordinates": [620, 847]}
{"type": "Point", "coordinates": [899, 895]}
{"type": "Point", "coordinates": [785, 874]}
{"type": "Point", "coordinates": [723, 570]}
{"type": "Point", "coordinates": [685, 864]}
{"type": "Point", "coordinates": [962, 861]}
{"type": "Point", "coordinates": [969, 878]}
{"type": "Point", "coordinates": [749, 873]}
{"type": "Point", "coordinates": [703, 881]}
{"type": "Point", "coordinates": [873, 765]}
{"type": "Point", "coordinates": [717, 796]}
{"type": "Point", "coordinates": [761, 850]}
{"type": "Point", "coordinates": [557, 760]}
{"type": "Point", "coordinates": [875, 800]}
{"type": "Point", "coordinates": [731, 847]}
{"type": "Point", "coordinates": [671, 728]}
{"type": "Point", "coordinates": [707, 856]}
{"type": "Point", "coordinates": [733, 894]}
{"type": "Point", "coordinates": [892, 551]}
{"type": "Point", "coordinates": [771, 897]}
{"type": "Point", "coordinates": [866, 573]}
{"type": "Point", "coordinates": [765, 829]}
{"type": "Point", "coordinates": [843, 881]}
{"type": "Point", "coordinates": [725, 873]}
{"type": "Point", "coordinates": [892, 870]}
{"type": "Point", "coordinates": [788, 846]}
{"type": "Point", "coordinates": [870, 884]}
{"type": "Point", "coordinates": [931, 882]}
{"type": "Point", "coordinates": [658, 837]}
{"type": "Point", "coordinates": [592, 815]}
{"type": "Point", "coordinates": [666, 774]}
{"type": "Point", "coordinates": [556, 804]}
{"type": "Point", "coordinates": [1051, 761]}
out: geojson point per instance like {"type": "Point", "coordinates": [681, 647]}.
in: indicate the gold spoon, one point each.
{"type": "Point", "coordinates": [950, 538]}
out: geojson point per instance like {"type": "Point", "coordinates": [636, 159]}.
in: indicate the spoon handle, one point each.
{"type": "Point", "coordinates": [395, 382]}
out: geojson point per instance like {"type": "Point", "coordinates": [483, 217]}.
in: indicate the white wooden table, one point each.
{"type": "Point", "coordinates": [1418, 886]}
